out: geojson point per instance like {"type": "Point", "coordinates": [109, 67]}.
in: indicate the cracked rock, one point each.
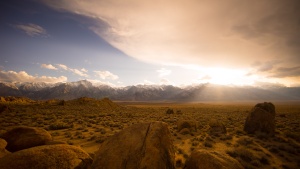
{"type": "Point", "coordinates": [144, 145]}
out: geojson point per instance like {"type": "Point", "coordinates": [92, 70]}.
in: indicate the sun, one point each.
{"type": "Point", "coordinates": [225, 76]}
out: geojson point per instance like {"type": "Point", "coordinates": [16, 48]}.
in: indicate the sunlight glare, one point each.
{"type": "Point", "coordinates": [227, 76]}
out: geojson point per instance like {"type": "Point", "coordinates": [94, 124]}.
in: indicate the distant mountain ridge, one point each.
{"type": "Point", "coordinates": [201, 92]}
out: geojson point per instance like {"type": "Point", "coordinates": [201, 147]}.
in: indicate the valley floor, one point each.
{"type": "Point", "coordinates": [88, 122]}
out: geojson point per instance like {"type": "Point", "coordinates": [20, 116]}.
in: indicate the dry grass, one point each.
{"type": "Point", "coordinates": [88, 122]}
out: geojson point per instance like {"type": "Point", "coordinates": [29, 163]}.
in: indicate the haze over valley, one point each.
{"type": "Point", "coordinates": [156, 93]}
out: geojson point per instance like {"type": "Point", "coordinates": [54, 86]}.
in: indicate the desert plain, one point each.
{"type": "Point", "coordinates": [87, 122]}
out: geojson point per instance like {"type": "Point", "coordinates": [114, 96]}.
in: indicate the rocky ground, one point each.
{"type": "Point", "coordinates": [197, 130]}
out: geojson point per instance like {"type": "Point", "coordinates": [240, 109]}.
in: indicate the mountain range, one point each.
{"type": "Point", "coordinates": [193, 93]}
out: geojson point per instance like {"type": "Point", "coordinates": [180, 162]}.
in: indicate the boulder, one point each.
{"type": "Point", "coordinates": [3, 143]}
{"type": "Point", "coordinates": [189, 124]}
{"type": "Point", "coordinates": [203, 159]}
{"type": "Point", "coordinates": [185, 131]}
{"type": "Point", "coordinates": [55, 142]}
{"type": "Point", "coordinates": [47, 157]}
{"type": "Point", "coordinates": [144, 145]}
{"type": "Point", "coordinates": [3, 151]}
{"type": "Point", "coordinates": [20, 138]}
{"type": "Point", "coordinates": [261, 119]}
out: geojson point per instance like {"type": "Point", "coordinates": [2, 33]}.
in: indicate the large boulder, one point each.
{"type": "Point", "coordinates": [144, 145]}
{"type": "Point", "coordinates": [47, 157]}
{"type": "Point", "coordinates": [261, 119]}
{"type": "Point", "coordinates": [20, 138]}
{"type": "Point", "coordinates": [203, 159]}
{"type": "Point", "coordinates": [188, 124]}
{"type": "Point", "coordinates": [3, 151]}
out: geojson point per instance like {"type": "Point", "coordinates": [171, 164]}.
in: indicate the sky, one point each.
{"type": "Point", "coordinates": [157, 42]}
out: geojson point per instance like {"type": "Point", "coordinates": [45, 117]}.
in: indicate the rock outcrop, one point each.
{"type": "Point", "coordinates": [144, 145]}
{"type": "Point", "coordinates": [3, 151]}
{"type": "Point", "coordinates": [203, 159]}
{"type": "Point", "coordinates": [20, 138]}
{"type": "Point", "coordinates": [47, 157]}
{"type": "Point", "coordinates": [261, 119]}
{"type": "Point", "coordinates": [189, 124]}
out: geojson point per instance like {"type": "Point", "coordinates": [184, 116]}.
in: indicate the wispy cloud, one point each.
{"type": "Point", "coordinates": [81, 72]}
{"type": "Point", "coordinates": [164, 72]}
{"type": "Point", "coordinates": [106, 75]}
{"type": "Point", "coordinates": [32, 29]}
{"type": "Point", "coordinates": [84, 70]}
{"type": "Point", "coordinates": [48, 66]}
{"type": "Point", "coordinates": [22, 76]}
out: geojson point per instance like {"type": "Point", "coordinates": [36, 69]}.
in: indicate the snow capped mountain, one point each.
{"type": "Point", "coordinates": [201, 92]}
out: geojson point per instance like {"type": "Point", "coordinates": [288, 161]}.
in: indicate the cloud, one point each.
{"type": "Point", "coordinates": [165, 81]}
{"type": "Point", "coordinates": [226, 33]}
{"type": "Point", "coordinates": [164, 72]}
{"type": "Point", "coordinates": [32, 29]}
{"type": "Point", "coordinates": [266, 66]}
{"type": "Point", "coordinates": [206, 77]}
{"type": "Point", "coordinates": [49, 66]}
{"type": "Point", "coordinates": [84, 70]}
{"type": "Point", "coordinates": [81, 72]}
{"type": "Point", "coordinates": [286, 72]}
{"type": "Point", "coordinates": [268, 84]}
{"type": "Point", "coordinates": [22, 76]}
{"type": "Point", "coordinates": [63, 66]}
{"type": "Point", "coordinates": [106, 75]}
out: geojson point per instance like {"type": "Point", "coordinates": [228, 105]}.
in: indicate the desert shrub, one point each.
{"type": "Point", "coordinates": [170, 111]}
{"type": "Point", "coordinates": [240, 132]}
{"type": "Point", "coordinates": [295, 136]}
{"type": "Point", "coordinates": [208, 144]}
{"type": "Point", "coordinates": [78, 133]}
{"type": "Point", "coordinates": [232, 153]}
{"type": "Point", "coordinates": [245, 141]}
{"type": "Point", "coordinates": [282, 115]}
{"type": "Point", "coordinates": [62, 103]}
{"type": "Point", "coordinates": [264, 160]}
{"type": "Point", "coordinates": [68, 134]}
{"type": "Point", "coordinates": [92, 138]}
{"type": "Point", "coordinates": [70, 142]}
{"type": "Point", "coordinates": [186, 156]}
{"type": "Point", "coordinates": [245, 154]}
{"type": "Point", "coordinates": [178, 112]}
{"type": "Point", "coordinates": [274, 150]}
{"type": "Point", "coordinates": [195, 143]}
{"type": "Point", "coordinates": [55, 134]}
{"type": "Point", "coordinates": [179, 163]}
{"type": "Point", "coordinates": [226, 137]}
{"type": "Point", "coordinates": [59, 125]}
{"type": "Point", "coordinates": [100, 140]}
{"type": "Point", "coordinates": [180, 151]}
